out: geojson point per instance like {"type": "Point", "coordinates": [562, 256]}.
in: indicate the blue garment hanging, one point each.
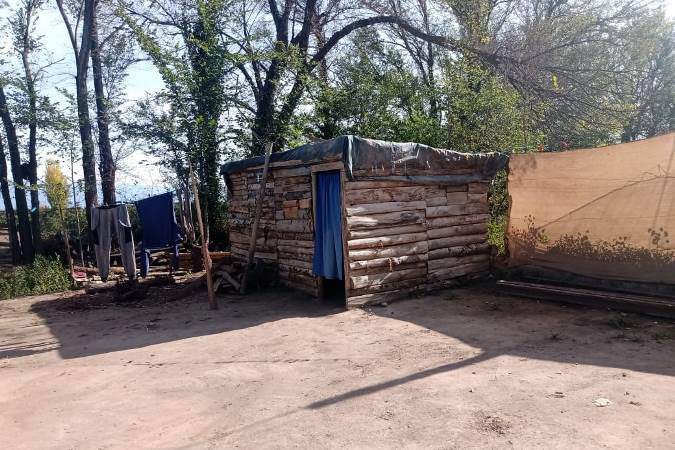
{"type": "Point", "coordinates": [159, 227]}
{"type": "Point", "coordinates": [328, 233]}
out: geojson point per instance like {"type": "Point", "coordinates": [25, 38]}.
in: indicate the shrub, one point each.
{"type": "Point", "coordinates": [44, 276]}
{"type": "Point", "coordinates": [497, 234]}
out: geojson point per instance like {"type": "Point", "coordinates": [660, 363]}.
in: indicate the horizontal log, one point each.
{"type": "Point", "coordinates": [293, 269]}
{"type": "Point", "coordinates": [389, 252]}
{"type": "Point", "coordinates": [445, 211]}
{"type": "Point", "coordinates": [295, 263]}
{"type": "Point", "coordinates": [391, 231]}
{"type": "Point", "coordinates": [299, 195]}
{"type": "Point", "coordinates": [442, 222]}
{"type": "Point", "coordinates": [295, 243]}
{"type": "Point", "coordinates": [477, 208]}
{"type": "Point", "coordinates": [444, 263]}
{"type": "Point", "coordinates": [458, 168]}
{"type": "Point", "coordinates": [392, 194]}
{"type": "Point", "coordinates": [363, 281]}
{"type": "Point", "coordinates": [461, 250]}
{"type": "Point", "coordinates": [478, 188]}
{"type": "Point", "coordinates": [286, 188]}
{"type": "Point", "coordinates": [455, 272]}
{"type": "Point", "coordinates": [455, 241]}
{"type": "Point", "coordinates": [298, 226]}
{"type": "Point", "coordinates": [291, 172]}
{"type": "Point", "coordinates": [384, 207]}
{"type": "Point", "coordinates": [290, 235]}
{"type": "Point", "coordinates": [457, 230]}
{"type": "Point", "coordinates": [394, 286]}
{"type": "Point", "coordinates": [388, 263]}
{"type": "Point", "coordinates": [356, 185]}
{"type": "Point", "coordinates": [338, 165]}
{"type": "Point", "coordinates": [458, 188]}
{"type": "Point", "coordinates": [437, 201]}
{"type": "Point", "coordinates": [385, 220]}
{"type": "Point", "coordinates": [243, 252]}
{"type": "Point", "coordinates": [306, 257]}
{"type": "Point", "coordinates": [457, 198]}
{"type": "Point", "coordinates": [296, 249]}
{"type": "Point", "coordinates": [388, 269]}
{"type": "Point", "coordinates": [386, 241]}
{"type": "Point", "coordinates": [477, 198]}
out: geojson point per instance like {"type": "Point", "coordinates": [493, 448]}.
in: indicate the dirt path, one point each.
{"type": "Point", "coordinates": [467, 369]}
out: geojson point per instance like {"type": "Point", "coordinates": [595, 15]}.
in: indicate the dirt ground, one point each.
{"type": "Point", "coordinates": [461, 369]}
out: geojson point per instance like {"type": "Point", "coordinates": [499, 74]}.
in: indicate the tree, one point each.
{"type": "Point", "coordinates": [9, 208]}
{"type": "Point", "coordinates": [25, 232]}
{"type": "Point", "coordinates": [56, 189]}
{"type": "Point", "coordinates": [194, 74]}
{"type": "Point", "coordinates": [23, 28]}
{"type": "Point", "coordinates": [84, 13]}
{"type": "Point", "coordinates": [107, 162]}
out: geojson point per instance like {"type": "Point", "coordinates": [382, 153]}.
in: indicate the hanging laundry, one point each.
{"type": "Point", "coordinates": [159, 228]}
{"type": "Point", "coordinates": [105, 219]}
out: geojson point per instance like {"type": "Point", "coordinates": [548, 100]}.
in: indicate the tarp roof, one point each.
{"type": "Point", "coordinates": [381, 157]}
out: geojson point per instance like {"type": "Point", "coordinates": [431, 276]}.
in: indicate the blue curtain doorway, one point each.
{"type": "Point", "coordinates": [328, 260]}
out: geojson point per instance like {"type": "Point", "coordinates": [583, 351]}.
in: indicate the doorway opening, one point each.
{"type": "Point", "coordinates": [329, 262]}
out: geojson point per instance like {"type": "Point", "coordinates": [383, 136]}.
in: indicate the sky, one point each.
{"type": "Point", "coordinates": [135, 179]}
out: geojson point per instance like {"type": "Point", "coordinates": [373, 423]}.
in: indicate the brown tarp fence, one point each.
{"type": "Point", "coordinates": [606, 213]}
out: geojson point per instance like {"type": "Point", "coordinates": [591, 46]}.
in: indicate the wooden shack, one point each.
{"type": "Point", "coordinates": [412, 217]}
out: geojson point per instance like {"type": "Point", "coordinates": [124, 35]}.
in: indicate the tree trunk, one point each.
{"type": "Point", "coordinates": [82, 67]}
{"type": "Point", "coordinates": [88, 153]}
{"type": "Point", "coordinates": [32, 147]}
{"type": "Point", "coordinates": [107, 164]}
{"type": "Point", "coordinates": [9, 209]}
{"type": "Point", "coordinates": [25, 232]}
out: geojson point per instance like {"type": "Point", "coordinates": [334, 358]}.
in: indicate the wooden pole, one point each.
{"type": "Point", "coordinates": [205, 245]}
{"type": "Point", "coordinates": [256, 220]}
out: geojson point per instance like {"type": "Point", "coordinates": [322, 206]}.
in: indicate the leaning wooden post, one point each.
{"type": "Point", "coordinates": [205, 245]}
{"type": "Point", "coordinates": [256, 219]}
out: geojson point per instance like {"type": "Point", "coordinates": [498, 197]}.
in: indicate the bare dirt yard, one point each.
{"type": "Point", "coordinates": [466, 368]}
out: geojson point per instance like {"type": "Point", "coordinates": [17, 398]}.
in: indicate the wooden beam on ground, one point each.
{"type": "Point", "coordinates": [643, 304]}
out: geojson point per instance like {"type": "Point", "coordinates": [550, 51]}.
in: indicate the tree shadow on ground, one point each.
{"type": "Point", "coordinates": [83, 324]}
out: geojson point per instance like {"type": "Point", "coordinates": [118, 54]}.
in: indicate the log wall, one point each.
{"type": "Point", "coordinates": [286, 226]}
{"type": "Point", "coordinates": [404, 239]}
{"type": "Point", "coordinates": [401, 239]}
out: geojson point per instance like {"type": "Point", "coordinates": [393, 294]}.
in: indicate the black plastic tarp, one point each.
{"type": "Point", "coordinates": [380, 158]}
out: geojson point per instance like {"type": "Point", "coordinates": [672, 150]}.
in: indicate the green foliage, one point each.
{"type": "Point", "coordinates": [484, 113]}
{"type": "Point", "coordinates": [188, 131]}
{"type": "Point", "coordinates": [43, 276]}
{"type": "Point", "coordinates": [497, 233]}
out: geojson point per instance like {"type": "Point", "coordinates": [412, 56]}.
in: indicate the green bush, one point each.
{"type": "Point", "coordinates": [44, 276]}
{"type": "Point", "coordinates": [497, 234]}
